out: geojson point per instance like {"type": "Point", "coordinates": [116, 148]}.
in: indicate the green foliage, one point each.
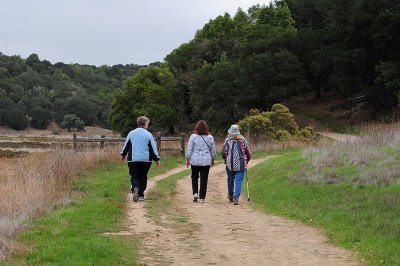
{"type": "Point", "coordinates": [72, 121]}
{"type": "Point", "coordinates": [278, 124]}
{"type": "Point", "coordinates": [15, 118]}
{"type": "Point", "coordinates": [153, 92]}
{"type": "Point", "coordinates": [236, 64]}
{"type": "Point", "coordinates": [388, 82]}
{"type": "Point", "coordinates": [40, 117]}
{"type": "Point", "coordinates": [59, 89]}
{"type": "Point", "coordinates": [349, 47]}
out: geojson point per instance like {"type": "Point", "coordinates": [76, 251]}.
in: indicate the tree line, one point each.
{"type": "Point", "coordinates": [35, 92]}
{"type": "Point", "coordinates": [267, 55]}
{"type": "Point", "coordinates": [251, 60]}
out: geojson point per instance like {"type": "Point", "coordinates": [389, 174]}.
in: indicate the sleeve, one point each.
{"type": "Point", "coordinates": [127, 146]}
{"type": "Point", "coordinates": [213, 148]}
{"type": "Point", "coordinates": [189, 150]}
{"type": "Point", "coordinates": [248, 151]}
{"type": "Point", "coordinates": [225, 150]}
{"type": "Point", "coordinates": [153, 149]}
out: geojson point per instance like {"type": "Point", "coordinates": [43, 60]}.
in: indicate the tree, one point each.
{"type": "Point", "coordinates": [72, 121]}
{"type": "Point", "coordinates": [15, 118]}
{"type": "Point", "coordinates": [83, 106]}
{"type": "Point", "coordinates": [40, 117]}
{"type": "Point", "coordinates": [152, 91]}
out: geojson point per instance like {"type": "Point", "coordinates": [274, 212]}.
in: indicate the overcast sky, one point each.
{"type": "Point", "coordinates": [108, 32]}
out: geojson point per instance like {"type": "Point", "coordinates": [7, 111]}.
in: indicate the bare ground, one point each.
{"type": "Point", "coordinates": [220, 233]}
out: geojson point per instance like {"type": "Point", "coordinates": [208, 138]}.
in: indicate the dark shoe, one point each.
{"type": "Point", "coordinates": [235, 201]}
{"type": "Point", "coordinates": [230, 198]}
{"type": "Point", "coordinates": [135, 196]}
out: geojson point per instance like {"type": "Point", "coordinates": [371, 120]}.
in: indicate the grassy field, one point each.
{"type": "Point", "coordinates": [362, 218]}
{"type": "Point", "coordinates": [351, 191]}
{"type": "Point", "coordinates": [73, 235]}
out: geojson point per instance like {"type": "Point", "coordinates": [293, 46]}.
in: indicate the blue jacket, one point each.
{"type": "Point", "coordinates": [140, 146]}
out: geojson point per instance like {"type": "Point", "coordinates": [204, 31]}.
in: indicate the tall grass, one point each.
{"type": "Point", "coordinates": [38, 183]}
{"type": "Point", "coordinates": [371, 159]}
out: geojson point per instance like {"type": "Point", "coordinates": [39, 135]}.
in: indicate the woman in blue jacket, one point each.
{"type": "Point", "coordinates": [141, 150]}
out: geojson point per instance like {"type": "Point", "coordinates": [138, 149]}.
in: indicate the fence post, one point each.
{"type": "Point", "coordinates": [183, 144]}
{"type": "Point", "coordinates": [159, 141]}
{"type": "Point", "coordinates": [102, 142]}
{"type": "Point", "coordinates": [74, 142]}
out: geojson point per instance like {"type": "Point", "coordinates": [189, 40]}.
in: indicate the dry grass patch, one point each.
{"type": "Point", "coordinates": [371, 159]}
{"type": "Point", "coordinates": [38, 183]}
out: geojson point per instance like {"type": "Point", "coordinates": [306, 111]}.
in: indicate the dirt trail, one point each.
{"type": "Point", "coordinates": [220, 233]}
{"type": "Point", "coordinates": [340, 137]}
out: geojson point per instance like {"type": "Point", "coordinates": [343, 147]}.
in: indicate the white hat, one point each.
{"type": "Point", "coordinates": [234, 130]}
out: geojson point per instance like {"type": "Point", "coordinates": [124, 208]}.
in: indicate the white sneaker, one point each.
{"type": "Point", "coordinates": [195, 197]}
{"type": "Point", "coordinates": [201, 200]}
{"type": "Point", "coordinates": [141, 198]}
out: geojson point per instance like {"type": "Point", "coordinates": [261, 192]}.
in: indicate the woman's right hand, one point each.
{"type": "Point", "coordinates": [187, 163]}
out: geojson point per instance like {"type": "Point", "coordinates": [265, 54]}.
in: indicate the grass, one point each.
{"type": "Point", "coordinates": [365, 219]}
{"type": "Point", "coordinates": [160, 203]}
{"type": "Point", "coordinates": [73, 235]}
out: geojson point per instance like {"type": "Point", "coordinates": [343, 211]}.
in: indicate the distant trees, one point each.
{"type": "Point", "coordinates": [44, 92]}
{"type": "Point", "coordinates": [251, 60]}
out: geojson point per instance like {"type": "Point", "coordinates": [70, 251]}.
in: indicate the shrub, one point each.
{"type": "Point", "coordinates": [72, 121]}
{"type": "Point", "coordinates": [279, 124]}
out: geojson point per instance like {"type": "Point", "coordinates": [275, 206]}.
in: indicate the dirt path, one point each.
{"type": "Point", "coordinates": [220, 233]}
{"type": "Point", "coordinates": [340, 137]}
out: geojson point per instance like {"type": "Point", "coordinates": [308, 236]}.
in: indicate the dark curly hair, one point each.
{"type": "Point", "coordinates": [201, 128]}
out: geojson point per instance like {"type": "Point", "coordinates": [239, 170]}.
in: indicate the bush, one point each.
{"type": "Point", "coordinates": [279, 124]}
{"type": "Point", "coordinates": [72, 121]}
{"type": "Point", "coordinates": [15, 118]}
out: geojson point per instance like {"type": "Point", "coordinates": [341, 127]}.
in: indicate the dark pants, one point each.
{"type": "Point", "coordinates": [203, 171]}
{"type": "Point", "coordinates": [138, 172]}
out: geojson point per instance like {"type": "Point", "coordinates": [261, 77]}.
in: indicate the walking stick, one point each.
{"type": "Point", "coordinates": [248, 192]}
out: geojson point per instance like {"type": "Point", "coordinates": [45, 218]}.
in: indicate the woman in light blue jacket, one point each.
{"type": "Point", "coordinates": [141, 150]}
{"type": "Point", "coordinates": [200, 154]}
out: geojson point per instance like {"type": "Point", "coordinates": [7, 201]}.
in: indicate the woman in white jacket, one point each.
{"type": "Point", "coordinates": [200, 154]}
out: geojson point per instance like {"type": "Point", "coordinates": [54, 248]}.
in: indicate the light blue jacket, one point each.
{"type": "Point", "coordinates": [140, 146]}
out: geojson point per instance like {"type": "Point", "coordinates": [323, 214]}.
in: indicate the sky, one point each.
{"type": "Point", "coordinates": [106, 32]}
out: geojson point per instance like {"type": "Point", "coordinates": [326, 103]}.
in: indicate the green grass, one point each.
{"type": "Point", "coordinates": [159, 202]}
{"type": "Point", "coordinates": [365, 219]}
{"type": "Point", "coordinates": [73, 235]}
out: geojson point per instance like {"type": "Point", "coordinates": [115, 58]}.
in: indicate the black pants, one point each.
{"type": "Point", "coordinates": [203, 171]}
{"type": "Point", "coordinates": [138, 172]}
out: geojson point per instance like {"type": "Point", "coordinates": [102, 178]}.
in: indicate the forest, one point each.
{"type": "Point", "coordinates": [34, 92]}
{"type": "Point", "coordinates": [234, 64]}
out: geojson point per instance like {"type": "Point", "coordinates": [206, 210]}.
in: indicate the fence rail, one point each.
{"type": "Point", "coordinates": [159, 139]}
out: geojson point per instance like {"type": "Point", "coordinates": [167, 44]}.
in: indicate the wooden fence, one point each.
{"type": "Point", "coordinates": [159, 139]}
